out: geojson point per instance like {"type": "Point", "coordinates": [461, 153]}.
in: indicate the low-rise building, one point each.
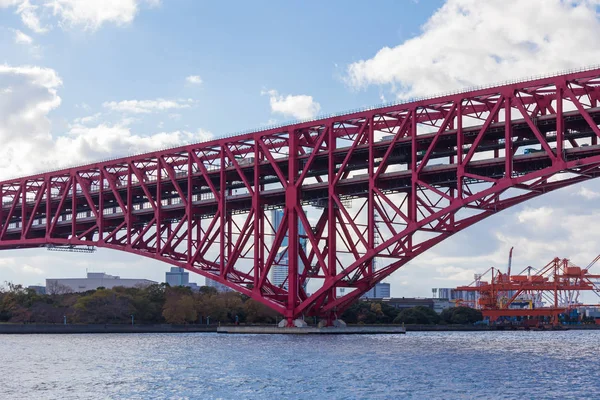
{"type": "Point", "coordinates": [408, 302]}
{"type": "Point", "coordinates": [453, 294]}
{"type": "Point", "coordinates": [38, 289]}
{"type": "Point", "coordinates": [401, 303]}
{"type": "Point", "coordinates": [217, 285]}
{"type": "Point", "coordinates": [93, 281]}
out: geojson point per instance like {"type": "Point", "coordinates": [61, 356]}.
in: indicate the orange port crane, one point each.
{"type": "Point", "coordinates": [549, 292]}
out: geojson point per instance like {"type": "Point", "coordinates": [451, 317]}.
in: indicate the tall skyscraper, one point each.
{"type": "Point", "coordinates": [279, 271]}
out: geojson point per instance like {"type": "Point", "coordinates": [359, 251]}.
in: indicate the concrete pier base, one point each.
{"type": "Point", "coordinates": [298, 323]}
{"type": "Point", "coordinates": [353, 330]}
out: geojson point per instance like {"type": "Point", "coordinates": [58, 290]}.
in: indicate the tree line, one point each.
{"type": "Point", "coordinates": [161, 303]}
{"type": "Point", "coordinates": [154, 304]}
{"type": "Point", "coordinates": [372, 312]}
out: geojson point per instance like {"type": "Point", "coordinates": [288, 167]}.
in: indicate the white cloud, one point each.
{"type": "Point", "coordinates": [194, 79]}
{"type": "Point", "coordinates": [9, 3]}
{"type": "Point", "coordinates": [29, 94]}
{"type": "Point", "coordinates": [6, 261]}
{"type": "Point", "coordinates": [92, 14]}
{"type": "Point", "coordinates": [21, 38]}
{"type": "Point", "coordinates": [28, 269]}
{"type": "Point", "coordinates": [147, 106]}
{"type": "Point", "coordinates": [12, 266]}
{"type": "Point", "coordinates": [296, 106]}
{"type": "Point", "coordinates": [453, 273]}
{"type": "Point", "coordinates": [85, 143]}
{"type": "Point", "coordinates": [88, 119]}
{"type": "Point", "coordinates": [536, 215]}
{"type": "Point", "coordinates": [24, 108]}
{"type": "Point", "coordinates": [587, 193]}
{"type": "Point", "coordinates": [270, 121]}
{"type": "Point", "coordinates": [469, 42]}
{"type": "Point", "coordinates": [85, 14]}
{"type": "Point", "coordinates": [30, 17]}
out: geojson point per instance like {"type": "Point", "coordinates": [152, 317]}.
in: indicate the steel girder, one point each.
{"type": "Point", "coordinates": [386, 183]}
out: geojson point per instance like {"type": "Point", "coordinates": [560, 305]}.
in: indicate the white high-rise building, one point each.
{"type": "Point", "coordinates": [279, 271]}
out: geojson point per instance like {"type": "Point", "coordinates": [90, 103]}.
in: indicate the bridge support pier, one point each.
{"type": "Point", "coordinates": [292, 323]}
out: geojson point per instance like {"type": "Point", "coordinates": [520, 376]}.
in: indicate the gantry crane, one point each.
{"type": "Point", "coordinates": [551, 291]}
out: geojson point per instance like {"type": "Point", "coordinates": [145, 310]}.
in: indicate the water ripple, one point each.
{"type": "Point", "coordinates": [443, 365]}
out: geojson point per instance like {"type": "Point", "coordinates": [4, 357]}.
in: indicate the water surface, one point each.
{"type": "Point", "coordinates": [418, 365]}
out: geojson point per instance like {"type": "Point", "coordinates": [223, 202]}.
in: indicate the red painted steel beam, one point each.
{"type": "Point", "coordinates": [347, 195]}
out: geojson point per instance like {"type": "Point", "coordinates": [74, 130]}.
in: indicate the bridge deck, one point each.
{"type": "Point", "coordinates": [354, 186]}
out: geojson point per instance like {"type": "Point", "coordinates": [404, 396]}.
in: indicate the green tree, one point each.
{"type": "Point", "coordinates": [48, 311]}
{"type": "Point", "coordinates": [257, 313]}
{"type": "Point", "coordinates": [417, 315]}
{"type": "Point", "coordinates": [16, 302]}
{"type": "Point", "coordinates": [222, 307]}
{"type": "Point", "coordinates": [461, 315]}
{"type": "Point", "coordinates": [179, 307]}
{"type": "Point", "coordinates": [104, 306]}
{"type": "Point", "coordinates": [368, 312]}
{"type": "Point", "coordinates": [208, 290]}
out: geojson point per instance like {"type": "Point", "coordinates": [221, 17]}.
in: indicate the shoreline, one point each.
{"type": "Point", "coordinates": [102, 328]}
{"type": "Point", "coordinates": [7, 328]}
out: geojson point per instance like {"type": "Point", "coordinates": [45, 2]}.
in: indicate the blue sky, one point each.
{"type": "Point", "coordinates": [88, 80]}
{"type": "Point", "coordinates": [237, 49]}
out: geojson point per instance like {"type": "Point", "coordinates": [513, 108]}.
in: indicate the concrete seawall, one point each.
{"type": "Point", "coordinates": [350, 330]}
{"type": "Point", "coordinates": [102, 328]}
{"type": "Point", "coordinates": [267, 329]}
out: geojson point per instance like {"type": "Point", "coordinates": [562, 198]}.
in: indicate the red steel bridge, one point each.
{"type": "Point", "coordinates": [387, 182]}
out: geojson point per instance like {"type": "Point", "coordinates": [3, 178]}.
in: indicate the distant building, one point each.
{"type": "Point", "coordinates": [590, 311]}
{"type": "Point", "coordinates": [279, 271]}
{"type": "Point", "coordinates": [438, 305]}
{"type": "Point", "coordinates": [180, 277]}
{"type": "Point", "coordinates": [38, 289]}
{"type": "Point", "coordinates": [453, 294]}
{"type": "Point", "coordinates": [93, 281]}
{"type": "Point", "coordinates": [177, 277]}
{"type": "Point", "coordinates": [409, 302]}
{"type": "Point", "coordinates": [217, 285]}
{"type": "Point", "coordinates": [380, 290]}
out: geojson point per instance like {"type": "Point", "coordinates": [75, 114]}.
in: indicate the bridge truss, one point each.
{"type": "Point", "coordinates": [389, 182]}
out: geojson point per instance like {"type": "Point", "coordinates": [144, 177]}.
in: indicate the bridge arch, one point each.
{"type": "Point", "coordinates": [327, 205]}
